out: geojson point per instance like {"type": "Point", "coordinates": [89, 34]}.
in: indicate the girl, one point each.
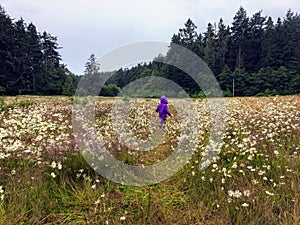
{"type": "Point", "coordinates": [163, 111]}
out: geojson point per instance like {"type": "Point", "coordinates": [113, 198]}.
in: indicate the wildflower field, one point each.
{"type": "Point", "coordinates": [254, 178]}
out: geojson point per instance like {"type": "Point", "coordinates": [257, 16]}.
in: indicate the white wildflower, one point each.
{"type": "Point", "coordinates": [245, 205]}
{"type": "Point", "coordinates": [53, 165]}
{"type": "Point", "coordinates": [269, 193]}
{"type": "Point", "coordinates": [247, 193]}
{"type": "Point", "coordinates": [13, 172]}
{"type": "Point", "coordinates": [230, 193]}
{"type": "Point", "coordinates": [234, 166]}
{"type": "Point", "coordinates": [59, 166]}
{"type": "Point", "coordinates": [237, 194]}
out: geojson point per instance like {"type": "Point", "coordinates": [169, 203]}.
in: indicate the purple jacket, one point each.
{"type": "Point", "coordinates": [162, 108]}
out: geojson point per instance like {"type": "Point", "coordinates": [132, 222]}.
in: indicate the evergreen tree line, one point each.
{"type": "Point", "coordinates": [255, 55]}
{"type": "Point", "coordinates": [30, 62]}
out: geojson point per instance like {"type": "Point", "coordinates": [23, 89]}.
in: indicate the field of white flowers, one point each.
{"type": "Point", "coordinates": [253, 178]}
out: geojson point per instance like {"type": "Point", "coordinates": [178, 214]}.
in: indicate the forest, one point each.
{"type": "Point", "coordinates": [30, 62]}
{"type": "Point", "coordinates": [261, 56]}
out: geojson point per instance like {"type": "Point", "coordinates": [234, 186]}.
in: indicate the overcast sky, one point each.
{"type": "Point", "coordinates": [84, 27]}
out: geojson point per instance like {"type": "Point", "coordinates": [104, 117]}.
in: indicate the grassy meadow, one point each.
{"type": "Point", "coordinates": [255, 178]}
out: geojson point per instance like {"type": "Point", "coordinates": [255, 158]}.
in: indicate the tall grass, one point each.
{"type": "Point", "coordinates": [254, 180]}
